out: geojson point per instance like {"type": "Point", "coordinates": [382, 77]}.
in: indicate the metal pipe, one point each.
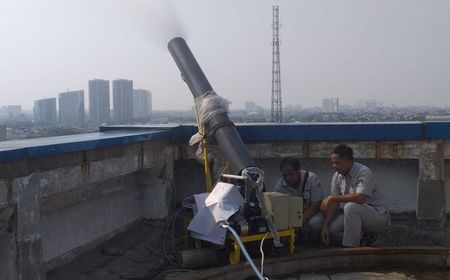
{"type": "Point", "coordinates": [235, 177]}
{"type": "Point", "coordinates": [197, 258]}
{"type": "Point", "coordinates": [224, 131]}
{"type": "Point", "coordinates": [190, 70]}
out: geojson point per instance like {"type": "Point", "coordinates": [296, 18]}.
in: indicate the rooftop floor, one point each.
{"type": "Point", "coordinates": [138, 253]}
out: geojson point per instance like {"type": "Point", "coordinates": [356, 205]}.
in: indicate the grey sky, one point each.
{"type": "Point", "coordinates": [393, 50]}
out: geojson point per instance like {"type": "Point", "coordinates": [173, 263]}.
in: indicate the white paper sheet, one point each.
{"type": "Point", "coordinates": [213, 207]}
{"type": "Point", "coordinates": [224, 200]}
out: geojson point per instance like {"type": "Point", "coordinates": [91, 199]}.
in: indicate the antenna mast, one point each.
{"type": "Point", "coordinates": [277, 111]}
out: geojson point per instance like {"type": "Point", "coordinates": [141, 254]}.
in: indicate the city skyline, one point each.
{"type": "Point", "coordinates": [70, 106]}
{"type": "Point", "coordinates": [357, 104]}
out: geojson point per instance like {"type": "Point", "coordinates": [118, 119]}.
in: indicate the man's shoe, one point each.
{"type": "Point", "coordinates": [368, 239]}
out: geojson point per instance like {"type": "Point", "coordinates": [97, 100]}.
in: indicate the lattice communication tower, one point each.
{"type": "Point", "coordinates": [277, 111]}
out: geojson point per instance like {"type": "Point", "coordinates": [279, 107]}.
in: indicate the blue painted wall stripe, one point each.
{"type": "Point", "coordinates": [121, 135]}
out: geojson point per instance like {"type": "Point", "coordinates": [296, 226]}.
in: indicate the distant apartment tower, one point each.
{"type": "Point", "coordinates": [330, 105]}
{"type": "Point", "coordinates": [250, 106]}
{"type": "Point", "coordinates": [10, 111]}
{"type": "Point", "coordinates": [44, 110]}
{"type": "Point", "coordinates": [13, 111]}
{"type": "Point", "coordinates": [99, 105]}
{"type": "Point", "coordinates": [71, 106]}
{"type": "Point", "coordinates": [370, 104]}
{"type": "Point", "coordinates": [142, 103]}
{"type": "Point", "coordinates": [2, 132]}
{"type": "Point", "coordinates": [122, 100]}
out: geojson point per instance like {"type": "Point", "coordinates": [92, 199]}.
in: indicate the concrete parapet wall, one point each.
{"type": "Point", "coordinates": [397, 176]}
{"type": "Point", "coordinates": [54, 207]}
{"type": "Point", "coordinates": [408, 158]}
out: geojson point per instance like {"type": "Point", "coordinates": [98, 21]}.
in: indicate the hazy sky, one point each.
{"type": "Point", "coordinates": [397, 51]}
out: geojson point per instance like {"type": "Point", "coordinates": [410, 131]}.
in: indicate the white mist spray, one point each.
{"type": "Point", "coordinates": [157, 21]}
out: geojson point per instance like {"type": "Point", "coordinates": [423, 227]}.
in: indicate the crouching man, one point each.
{"type": "Point", "coordinates": [355, 210]}
{"type": "Point", "coordinates": [302, 183]}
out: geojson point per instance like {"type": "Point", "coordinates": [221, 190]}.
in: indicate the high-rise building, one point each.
{"type": "Point", "coordinates": [370, 104]}
{"type": "Point", "coordinates": [13, 111]}
{"type": "Point", "coordinates": [2, 132]}
{"type": "Point", "coordinates": [330, 105]}
{"type": "Point", "coordinates": [10, 111]}
{"type": "Point", "coordinates": [122, 100]}
{"type": "Point", "coordinates": [44, 110]}
{"type": "Point", "coordinates": [250, 106]}
{"type": "Point", "coordinates": [71, 106]}
{"type": "Point", "coordinates": [142, 103]}
{"type": "Point", "coordinates": [99, 105]}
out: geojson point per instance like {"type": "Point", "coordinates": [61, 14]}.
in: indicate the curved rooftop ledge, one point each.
{"type": "Point", "coordinates": [340, 259]}
{"type": "Point", "coordinates": [120, 135]}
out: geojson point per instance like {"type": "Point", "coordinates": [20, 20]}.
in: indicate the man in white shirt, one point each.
{"type": "Point", "coordinates": [355, 210]}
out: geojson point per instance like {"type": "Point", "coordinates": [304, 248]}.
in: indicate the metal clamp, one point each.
{"type": "Point", "coordinates": [255, 176]}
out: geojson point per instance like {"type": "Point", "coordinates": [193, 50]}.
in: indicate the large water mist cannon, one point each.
{"type": "Point", "coordinates": [213, 115]}
{"type": "Point", "coordinates": [219, 123]}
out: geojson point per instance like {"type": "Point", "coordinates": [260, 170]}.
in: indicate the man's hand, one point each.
{"type": "Point", "coordinates": [326, 203]}
{"type": "Point", "coordinates": [359, 198]}
{"type": "Point", "coordinates": [325, 234]}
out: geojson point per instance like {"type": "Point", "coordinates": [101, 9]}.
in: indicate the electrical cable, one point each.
{"type": "Point", "coordinates": [262, 253]}
{"type": "Point", "coordinates": [173, 226]}
{"type": "Point", "coordinates": [172, 218]}
{"type": "Point", "coordinates": [172, 239]}
{"type": "Point", "coordinates": [244, 251]}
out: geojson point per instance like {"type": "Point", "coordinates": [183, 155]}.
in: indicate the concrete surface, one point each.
{"type": "Point", "coordinates": [134, 254]}
{"type": "Point", "coordinates": [138, 254]}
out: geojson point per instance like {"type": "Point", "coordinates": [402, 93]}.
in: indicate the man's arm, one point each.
{"type": "Point", "coordinates": [329, 209]}
{"type": "Point", "coordinates": [316, 197]}
{"type": "Point", "coordinates": [351, 197]}
{"type": "Point", "coordinates": [330, 215]}
{"type": "Point", "coordinates": [311, 211]}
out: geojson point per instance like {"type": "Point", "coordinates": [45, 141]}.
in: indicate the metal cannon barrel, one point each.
{"type": "Point", "coordinates": [224, 131]}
